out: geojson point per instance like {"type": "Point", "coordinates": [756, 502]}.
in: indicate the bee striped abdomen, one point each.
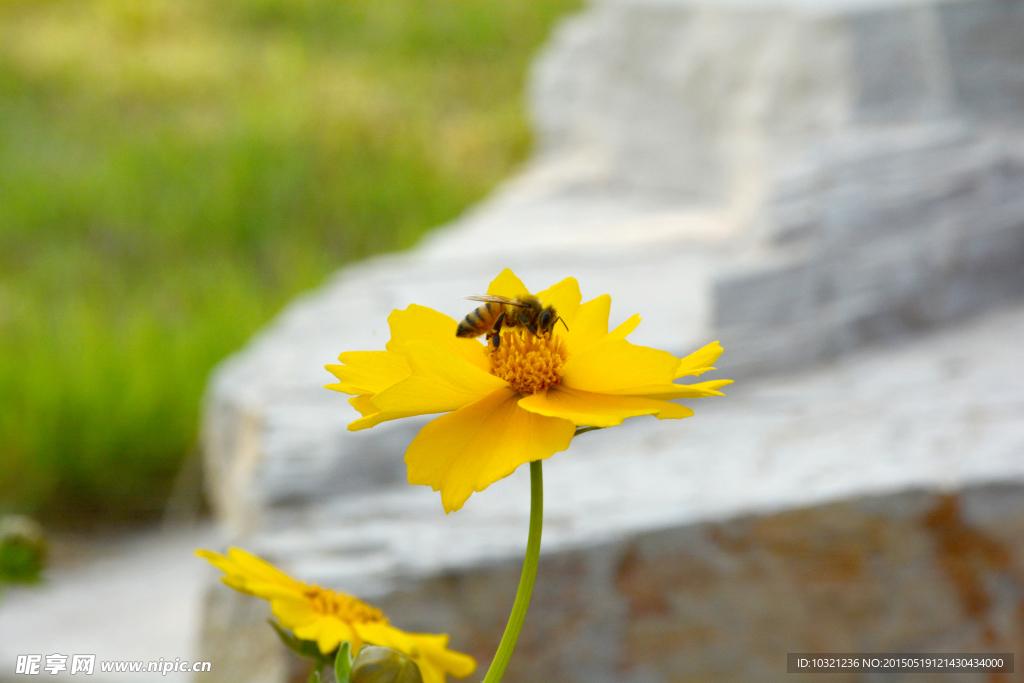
{"type": "Point", "coordinates": [480, 320]}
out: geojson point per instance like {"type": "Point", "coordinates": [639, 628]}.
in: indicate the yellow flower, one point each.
{"type": "Point", "coordinates": [328, 617]}
{"type": "Point", "coordinates": [520, 402]}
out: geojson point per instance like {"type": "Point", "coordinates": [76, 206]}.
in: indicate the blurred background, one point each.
{"type": "Point", "coordinates": [202, 203]}
{"type": "Point", "coordinates": [172, 173]}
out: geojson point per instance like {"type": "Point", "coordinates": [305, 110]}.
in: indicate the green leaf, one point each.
{"type": "Point", "coordinates": [314, 675]}
{"type": "Point", "coordinates": [303, 648]}
{"type": "Point", "coordinates": [342, 664]}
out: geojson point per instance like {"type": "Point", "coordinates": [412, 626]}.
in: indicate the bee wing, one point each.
{"type": "Point", "coordinates": [494, 299]}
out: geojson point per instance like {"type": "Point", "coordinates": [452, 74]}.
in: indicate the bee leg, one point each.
{"type": "Point", "coordinates": [527, 324]}
{"type": "Point", "coordinates": [496, 332]}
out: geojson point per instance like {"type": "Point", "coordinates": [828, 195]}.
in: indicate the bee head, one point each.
{"type": "Point", "coordinates": [547, 319]}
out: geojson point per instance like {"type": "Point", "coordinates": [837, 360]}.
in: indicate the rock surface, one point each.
{"type": "Point", "coordinates": [835, 190]}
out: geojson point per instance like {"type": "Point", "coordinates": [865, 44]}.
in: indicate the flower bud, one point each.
{"type": "Point", "coordinates": [383, 665]}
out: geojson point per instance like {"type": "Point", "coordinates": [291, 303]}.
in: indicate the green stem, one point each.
{"type": "Point", "coordinates": [522, 603]}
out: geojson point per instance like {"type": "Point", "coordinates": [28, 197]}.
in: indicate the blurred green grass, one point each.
{"type": "Point", "coordinates": [173, 171]}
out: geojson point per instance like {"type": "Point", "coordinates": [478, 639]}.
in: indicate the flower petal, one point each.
{"type": "Point", "coordinates": [435, 650]}
{"type": "Point", "coordinates": [565, 297]}
{"type": "Point", "coordinates": [250, 569]}
{"type": "Point", "coordinates": [363, 405]}
{"type": "Point", "coordinates": [371, 415]}
{"type": "Point", "coordinates": [419, 323]}
{"type": "Point", "coordinates": [441, 381]}
{"type": "Point", "coordinates": [624, 330]}
{"type": "Point", "coordinates": [238, 584]}
{"type": "Point", "coordinates": [590, 324]}
{"type": "Point", "coordinates": [673, 390]}
{"type": "Point", "coordinates": [475, 446]}
{"type": "Point", "coordinates": [329, 638]}
{"type": "Point", "coordinates": [367, 372]}
{"type": "Point", "coordinates": [507, 285]}
{"type": "Point", "coordinates": [584, 408]}
{"type": "Point", "coordinates": [383, 634]}
{"type": "Point", "coordinates": [699, 361]}
{"type": "Point", "coordinates": [328, 632]}
{"type": "Point", "coordinates": [294, 613]}
{"type": "Point", "coordinates": [614, 366]}
{"type": "Point", "coordinates": [267, 591]}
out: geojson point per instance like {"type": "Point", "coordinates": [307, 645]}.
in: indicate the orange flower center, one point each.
{"type": "Point", "coordinates": [345, 607]}
{"type": "Point", "coordinates": [528, 362]}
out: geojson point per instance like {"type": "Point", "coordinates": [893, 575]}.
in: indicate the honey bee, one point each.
{"type": "Point", "coordinates": [498, 312]}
